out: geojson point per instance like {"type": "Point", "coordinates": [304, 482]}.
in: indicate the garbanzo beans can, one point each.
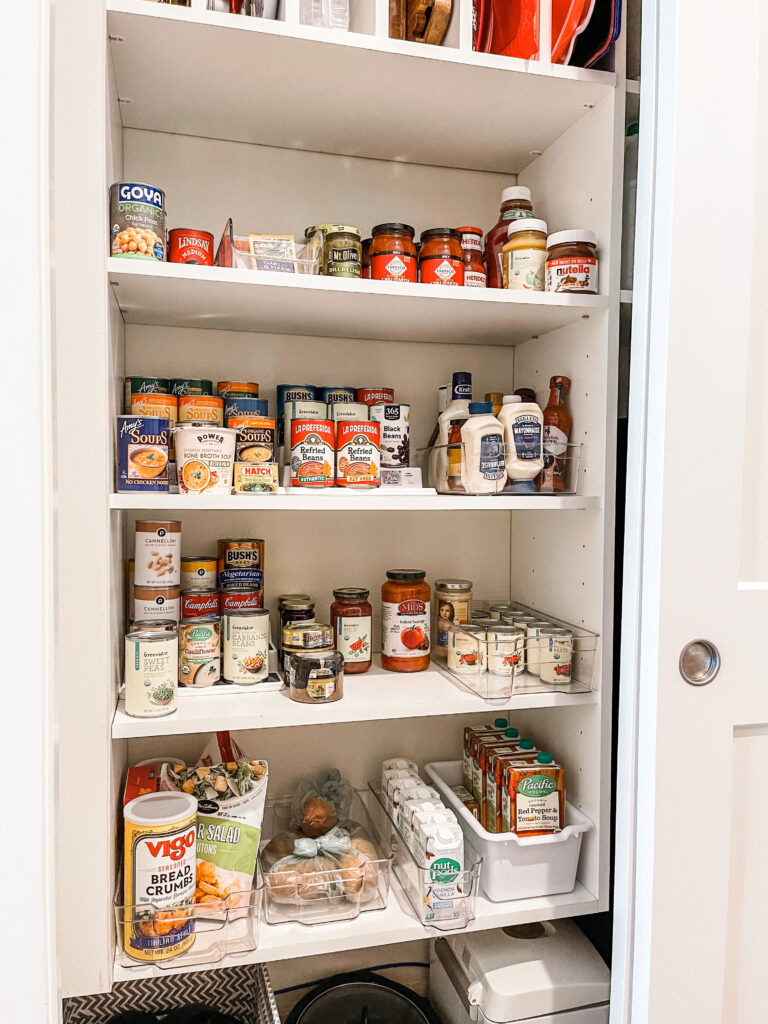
{"type": "Point", "coordinates": [137, 221]}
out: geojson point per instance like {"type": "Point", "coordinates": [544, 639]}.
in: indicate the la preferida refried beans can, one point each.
{"type": "Point", "coordinates": [159, 875]}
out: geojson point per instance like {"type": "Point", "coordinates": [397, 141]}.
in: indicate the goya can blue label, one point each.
{"type": "Point", "coordinates": [244, 407]}
{"type": "Point", "coordinates": [337, 394]}
{"type": "Point", "coordinates": [142, 453]}
{"type": "Point", "coordinates": [137, 221]}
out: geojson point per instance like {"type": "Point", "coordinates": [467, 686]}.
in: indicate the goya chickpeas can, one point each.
{"type": "Point", "coordinates": [160, 854]}
{"type": "Point", "coordinates": [358, 458]}
{"type": "Point", "coordinates": [137, 219]}
{"type": "Point", "coordinates": [188, 245]}
{"type": "Point", "coordinates": [312, 453]}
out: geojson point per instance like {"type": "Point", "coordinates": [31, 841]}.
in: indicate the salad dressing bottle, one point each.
{"type": "Point", "coordinates": [523, 424]}
{"type": "Point", "coordinates": [483, 470]}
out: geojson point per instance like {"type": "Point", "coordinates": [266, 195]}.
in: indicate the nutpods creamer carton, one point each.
{"type": "Point", "coordinates": [533, 802]}
{"type": "Point", "coordinates": [423, 797]}
{"type": "Point", "coordinates": [441, 855]}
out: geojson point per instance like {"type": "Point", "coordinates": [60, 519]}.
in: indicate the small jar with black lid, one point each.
{"type": "Point", "coordinates": [393, 254]}
{"type": "Point", "coordinates": [315, 677]}
{"type": "Point", "coordinates": [441, 258]}
{"type": "Point", "coordinates": [351, 618]}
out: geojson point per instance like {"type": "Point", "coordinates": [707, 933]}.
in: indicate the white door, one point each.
{"type": "Point", "coordinates": [692, 843]}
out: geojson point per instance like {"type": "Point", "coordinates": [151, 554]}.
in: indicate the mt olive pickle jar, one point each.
{"type": "Point", "coordinates": [342, 252]}
{"type": "Point", "coordinates": [366, 247]}
{"type": "Point", "coordinates": [351, 618]}
{"type": "Point", "coordinates": [405, 612]}
{"type": "Point", "coordinates": [393, 254]}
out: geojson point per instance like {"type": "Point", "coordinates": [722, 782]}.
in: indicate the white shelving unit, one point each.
{"type": "Point", "coordinates": [280, 126]}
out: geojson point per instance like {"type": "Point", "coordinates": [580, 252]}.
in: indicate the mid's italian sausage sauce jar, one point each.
{"type": "Point", "coordinates": [405, 620]}
{"type": "Point", "coordinates": [393, 254]}
{"type": "Point", "coordinates": [441, 258]}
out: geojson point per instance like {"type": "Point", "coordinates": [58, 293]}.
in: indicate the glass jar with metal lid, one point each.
{"type": "Point", "coordinates": [352, 619]}
{"type": "Point", "coordinates": [315, 677]}
{"type": "Point", "coordinates": [295, 608]}
{"type": "Point", "coordinates": [441, 258]}
{"type": "Point", "coordinates": [307, 636]}
{"type": "Point", "coordinates": [342, 252]}
{"type": "Point", "coordinates": [393, 254]}
{"type": "Point", "coordinates": [453, 599]}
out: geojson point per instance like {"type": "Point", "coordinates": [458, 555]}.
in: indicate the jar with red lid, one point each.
{"type": "Point", "coordinates": [405, 621]}
{"type": "Point", "coordinates": [475, 275]}
{"type": "Point", "coordinates": [352, 619]}
{"type": "Point", "coordinates": [441, 260]}
{"type": "Point", "coordinates": [393, 254]}
{"type": "Point", "coordinates": [366, 245]}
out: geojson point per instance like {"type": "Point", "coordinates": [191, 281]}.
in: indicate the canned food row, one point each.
{"type": "Point", "coordinates": [138, 230]}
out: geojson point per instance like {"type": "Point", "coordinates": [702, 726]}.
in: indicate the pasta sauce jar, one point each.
{"type": "Point", "coordinates": [351, 618]}
{"type": "Point", "coordinates": [405, 621]}
{"type": "Point", "coordinates": [441, 259]}
{"type": "Point", "coordinates": [393, 254]}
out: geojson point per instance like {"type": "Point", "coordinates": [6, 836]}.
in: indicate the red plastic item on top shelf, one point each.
{"type": "Point", "coordinates": [510, 28]}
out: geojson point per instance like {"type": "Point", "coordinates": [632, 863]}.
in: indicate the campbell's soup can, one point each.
{"type": "Point", "coordinates": [198, 572]}
{"type": "Point", "coordinates": [372, 396]}
{"type": "Point", "coordinates": [237, 388]}
{"type": "Point", "coordinates": [241, 600]}
{"type": "Point", "coordinates": [312, 453]}
{"type": "Point", "coordinates": [137, 221]}
{"type": "Point", "coordinates": [240, 564]}
{"type": "Point", "coordinates": [358, 458]}
{"type": "Point", "coordinates": [199, 602]}
{"type": "Point", "coordinates": [160, 854]}
{"type": "Point", "coordinates": [189, 245]}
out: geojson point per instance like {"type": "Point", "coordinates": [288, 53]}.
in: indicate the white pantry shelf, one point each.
{"type": "Point", "coordinates": [396, 923]}
{"type": "Point", "coordinates": [338, 499]}
{"type": "Point", "coordinates": [181, 295]}
{"type": "Point", "coordinates": [358, 94]}
{"type": "Point", "coordinates": [373, 696]}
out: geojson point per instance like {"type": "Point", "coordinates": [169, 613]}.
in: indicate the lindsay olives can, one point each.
{"type": "Point", "coordinates": [188, 245]}
{"type": "Point", "coordinates": [142, 453]}
{"type": "Point", "coordinates": [137, 219]}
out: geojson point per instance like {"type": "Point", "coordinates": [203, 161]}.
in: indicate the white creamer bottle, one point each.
{"type": "Point", "coordinates": [457, 409]}
{"type": "Point", "coordinates": [483, 470]}
{"type": "Point", "coordinates": [523, 424]}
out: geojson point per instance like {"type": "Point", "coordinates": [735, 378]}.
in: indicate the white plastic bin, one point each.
{"type": "Point", "coordinates": [515, 868]}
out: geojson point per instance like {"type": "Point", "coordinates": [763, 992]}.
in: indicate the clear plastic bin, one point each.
{"type": "Point", "coordinates": [226, 927]}
{"type": "Point", "coordinates": [234, 252]}
{"type": "Point", "coordinates": [504, 665]}
{"type": "Point", "coordinates": [328, 895]}
{"type": "Point", "coordinates": [434, 464]}
{"type": "Point", "coordinates": [450, 914]}
{"type": "Point", "coordinates": [514, 868]}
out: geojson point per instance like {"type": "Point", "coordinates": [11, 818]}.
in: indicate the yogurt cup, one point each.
{"type": "Point", "coordinates": [205, 458]}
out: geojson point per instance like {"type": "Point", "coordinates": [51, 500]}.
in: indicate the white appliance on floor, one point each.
{"type": "Point", "coordinates": [546, 973]}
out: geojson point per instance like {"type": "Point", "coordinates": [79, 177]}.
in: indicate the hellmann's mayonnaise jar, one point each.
{"type": "Point", "coordinates": [159, 875]}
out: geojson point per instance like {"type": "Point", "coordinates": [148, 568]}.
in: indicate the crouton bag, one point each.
{"type": "Point", "coordinates": [231, 792]}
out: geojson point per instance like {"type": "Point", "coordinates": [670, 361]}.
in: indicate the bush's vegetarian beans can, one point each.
{"type": "Point", "coordinates": [241, 564]}
{"type": "Point", "coordinates": [137, 219]}
{"type": "Point", "coordinates": [189, 245]}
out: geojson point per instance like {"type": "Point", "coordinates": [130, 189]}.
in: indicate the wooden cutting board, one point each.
{"type": "Point", "coordinates": [427, 20]}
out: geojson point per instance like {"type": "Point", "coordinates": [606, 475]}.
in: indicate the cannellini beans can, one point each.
{"type": "Point", "coordinates": [159, 864]}
{"type": "Point", "coordinates": [198, 572]}
{"type": "Point", "coordinates": [157, 553]}
{"type": "Point", "coordinates": [199, 651]}
{"type": "Point", "coordinates": [151, 671]}
{"type": "Point", "coordinates": [156, 603]}
{"type": "Point", "coordinates": [246, 646]}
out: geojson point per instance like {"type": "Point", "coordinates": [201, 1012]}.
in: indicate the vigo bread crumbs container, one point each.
{"type": "Point", "coordinates": [159, 875]}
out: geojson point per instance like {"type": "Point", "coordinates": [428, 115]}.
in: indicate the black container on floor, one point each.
{"type": "Point", "coordinates": [362, 998]}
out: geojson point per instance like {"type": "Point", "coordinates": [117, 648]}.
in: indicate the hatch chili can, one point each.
{"type": "Point", "coordinates": [159, 875]}
{"type": "Point", "coordinates": [137, 219]}
{"type": "Point", "coordinates": [188, 245]}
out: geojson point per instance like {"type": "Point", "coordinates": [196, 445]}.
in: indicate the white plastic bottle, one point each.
{"type": "Point", "coordinates": [457, 409]}
{"type": "Point", "coordinates": [523, 424]}
{"type": "Point", "coordinates": [483, 470]}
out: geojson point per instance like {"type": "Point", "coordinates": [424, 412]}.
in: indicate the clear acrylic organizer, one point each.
{"type": "Point", "coordinates": [222, 928]}
{"type": "Point", "coordinates": [445, 915]}
{"type": "Point", "coordinates": [234, 252]}
{"type": "Point", "coordinates": [328, 895]}
{"type": "Point", "coordinates": [505, 664]}
{"type": "Point", "coordinates": [435, 467]}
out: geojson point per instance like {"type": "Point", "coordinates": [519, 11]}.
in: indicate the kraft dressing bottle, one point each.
{"type": "Point", "coordinates": [523, 424]}
{"type": "Point", "coordinates": [483, 470]}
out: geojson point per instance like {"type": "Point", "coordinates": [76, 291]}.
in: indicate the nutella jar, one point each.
{"type": "Point", "coordinates": [441, 258]}
{"type": "Point", "coordinates": [572, 262]}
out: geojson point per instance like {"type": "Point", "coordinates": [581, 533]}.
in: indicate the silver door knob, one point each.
{"type": "Point", "coordinates": [699, 662]}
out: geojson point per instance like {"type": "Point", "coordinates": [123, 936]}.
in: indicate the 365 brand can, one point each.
{"type": "Point", "coordinates": [191, 386]}
{"type": "Point", "coordinates": [195, 603]}
{"type": "Point", "coordinates": [246, 646]}
{"type": "Point", "coordinates": [240, 564]}
{"type": "Point", "coordinates": [160, 853]}
{"type": "Point", "coordinates": [137, 219]}
{"type": "Point", "coordinates": [143, 386]}
{"type": "Point", "coordinates": [240, 600]}
{"type": "Point", "coordinates": [372, 396]}
{"type": "Point", "coordinates": [151, 670]}
{"type": "Point", "coordinates": [199, 651]}
{"type": "Point", "coordinates": [237, 388]}
{"type": "Point", "coordinates": [194, 408]}
{"type": "Point", "coordinates": [157, 552]}
{"type": "Point", "coordinates": [312, 453]}
{"type": "Point", "coordinates": [188, 245]}
{"type": "Point", "coordinates": [357, 454]}
{"type": "Point", "coordinates": [248, 406]}
{"type": "Point", "coordinates": [395, 423]}
{"type": "Point", "coordinates": [337, 394]}
{"type": "Point", "coordinates": [142, 453]}
{"type": "Point", "coordinates": [198, 572]}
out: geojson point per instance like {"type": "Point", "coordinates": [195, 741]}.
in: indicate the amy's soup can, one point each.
{"type": "Point", "coordinates": [142, 453]}
{"type": "Point", "coordinates": [143, 386]}
{"type": "Point", "coordinates": [160, 853]}
{"type": "Point", "coordinates": [249, 406]}
{"type": "Point", "coordinates": [237, 388]}
{"type": "Point", "coordinates": [137, 221]}
{"type": "Point", "coordinates": [201, 409]}
{"type": "Point", "coordinates": [191, 386]}
{"type": "Point", "coordinates": [188, 245]}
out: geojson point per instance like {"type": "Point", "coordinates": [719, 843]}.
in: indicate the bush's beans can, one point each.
{"type": "Point", "coordinates": [249, 406]}
{"type": "Point", "coordinates": [151, 670]}
{"type": "Point", "coordinates": [241, 600]}
{"type": "Point", "coordinates": [245, 646]}
{"type": "Point", "coordinates": [395, 423]}
{"type": "Point", "coordinates": [312, 453]}
{"type": "Point", "coordinates": [199, 602]}
{"type": "Point", "coordinates": [160, 853]}
{"type": "Point", "coordinates": [200, 651]}
{"type": "Point", "coordinates": [372, 396]}
{"type": "Point", "coordinates": [137, 219]}
{"type": "Point", "coordinates": [143, 386]}
{"type": "Point", "coordinates": [188, 245]}
{"type": "Point", "coordinates": [357, 454]}
{"type": "Point", "coordinates": [240, 564]}
{"type": "Point", "coordinates": [232, 388]}
{"type": "Point", "coordinates": [201, 409]}
{"type": "Point", "coordinates": [198, 572]}
{"type": "Point", "coordinates": [291, 393]}
{"type": "Point", "coordinates": [142, 453]}
{"type": "Point", "coordinates": [337, 394]}
{"type": "Point", "coordinates": [191, 386]}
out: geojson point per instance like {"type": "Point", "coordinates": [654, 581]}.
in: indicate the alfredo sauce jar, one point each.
{"type": "Point", "coordinates": [245, 646]}
{"type": "Point", "coordinates": [151, 673]}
